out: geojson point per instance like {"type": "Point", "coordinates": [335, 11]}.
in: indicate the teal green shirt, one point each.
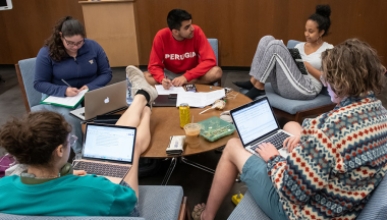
{"type": "Point", "coordinates": [69, 195]}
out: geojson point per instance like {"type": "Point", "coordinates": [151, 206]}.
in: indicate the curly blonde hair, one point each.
{"type": "Point", "coordinates": [353, 68]}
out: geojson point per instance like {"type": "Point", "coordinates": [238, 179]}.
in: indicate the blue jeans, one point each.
{"type": "Point", "coordinates": [259, 184]}
{"type": "Point", "coordinates": [72, 120]}
{"type": "Point", "coordinates": [135, 212]}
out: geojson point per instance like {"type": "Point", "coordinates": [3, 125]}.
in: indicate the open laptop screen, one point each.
{"type": "Point", "coordinates": [254, 120]}
{"type": "Point", "coordinates": [109, 142]}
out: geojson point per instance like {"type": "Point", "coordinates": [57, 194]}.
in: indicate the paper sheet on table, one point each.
{"type": "Point", "coordinates": [173, 90]}
{"type": "Point", "coordinates": [199, 99]}
{"type": "Point", "coordinates": [68, 102]}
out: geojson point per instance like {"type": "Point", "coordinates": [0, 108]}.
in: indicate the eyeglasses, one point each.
{"type": "Point", "coordinates": [72, 139]}
{"type": "Point", "coordinates": [72, 44]}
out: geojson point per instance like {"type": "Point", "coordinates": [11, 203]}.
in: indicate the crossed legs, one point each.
{"type": "Point", "coordinates": [137, 115]}
{"type": "Point", "coordinates": [213, 75]}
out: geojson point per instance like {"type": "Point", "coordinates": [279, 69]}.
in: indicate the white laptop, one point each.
{"type": "Point", "coordinates": [256, 124]}
{"type": "Point", "coordinates": [108, 151]}
{"type": "Point", "coordinates": [105, 100]}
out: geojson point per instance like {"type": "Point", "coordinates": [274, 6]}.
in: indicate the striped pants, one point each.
{"type": "Point", "coordinates": [273, 62]}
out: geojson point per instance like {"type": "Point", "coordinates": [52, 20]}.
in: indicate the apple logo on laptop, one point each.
{"type": "Point", "coordinates": [106, 100]}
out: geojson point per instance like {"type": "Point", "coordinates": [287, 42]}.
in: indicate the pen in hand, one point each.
{"type": "Point", "coordinates": [70, 91]}
{"type": "Point", "coordinates": [64, 81]}
{"type": "Point", "coordinates": [166, 82]}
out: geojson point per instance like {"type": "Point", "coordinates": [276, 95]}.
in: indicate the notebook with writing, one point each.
{"type": "Point", "coordinates": [295, 53]}
{"type": "Point", "coordinates": [256, 124]}
{"type": "Point", "coordinates": [108, 151]}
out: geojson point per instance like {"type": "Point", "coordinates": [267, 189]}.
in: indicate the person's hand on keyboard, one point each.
{"type": "Point", "coordinates": [292, 142]}
{"type": "Point", "coordinates": [266, 151]}
{"type": "Point", "coordinates": [79, 172]}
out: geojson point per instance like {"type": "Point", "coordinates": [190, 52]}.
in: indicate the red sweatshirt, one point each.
{"type": "Point", "coordinates": [191, 57]}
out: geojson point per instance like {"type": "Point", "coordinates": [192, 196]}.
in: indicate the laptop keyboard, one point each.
{"type": "Point", "coordinates": [102, 169]}
{"type": "Point", "coordinates": [277, 140]}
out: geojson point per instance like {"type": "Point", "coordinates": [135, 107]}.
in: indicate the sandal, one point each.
{"type": "Point", "coordinates": [197, 211]}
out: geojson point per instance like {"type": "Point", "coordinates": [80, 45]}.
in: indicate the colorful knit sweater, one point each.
{"type": "Point", "coordinates": [341, 160]}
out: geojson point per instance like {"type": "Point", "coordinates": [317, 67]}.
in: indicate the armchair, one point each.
{"type": "Point", "coordinates": [25, 71]}
{"type": "Point", "coordinates": [375, 209]}
{"type": "Point", "coordinates": [215, 47]}
{"type": "Point", "coordinates": [297, 110]}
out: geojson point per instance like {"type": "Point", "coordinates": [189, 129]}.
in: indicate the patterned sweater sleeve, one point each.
{"type": "Point", "coordinates": [305, 171]}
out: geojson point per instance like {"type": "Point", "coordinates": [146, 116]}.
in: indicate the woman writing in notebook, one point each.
{"type": "Point", "coordinates": [335, 161]}
{"type": "Point", "coordinates": [273, 62]}
{"type": "Point", "coordinates": [42, 140]}
{"type": "Point", "coordinates": [68, 64]}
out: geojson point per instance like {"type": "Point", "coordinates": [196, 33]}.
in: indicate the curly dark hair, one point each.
{"type": "Point", "coordinates": [33, 138]}
{"type": "Point", "coordinates": [69, 27]}
{"type": "Point", "coordinates": [353, 68]}
{"type": "Point", "coordinates": [321, 17]}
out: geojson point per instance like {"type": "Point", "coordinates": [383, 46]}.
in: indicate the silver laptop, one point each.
{"type": "Point", "coordinates": [256, 124]}
{"type": "Point", "coordinates": [108, 99]}
{"type": "Point", "coordinates": [108, 151]}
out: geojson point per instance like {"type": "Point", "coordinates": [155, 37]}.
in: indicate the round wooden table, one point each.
{"type": "Point", "coordinates": [165, 122]}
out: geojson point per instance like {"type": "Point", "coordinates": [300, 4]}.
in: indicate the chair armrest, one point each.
{"type": "Point", "coordinates": [248, 209]}
{"type": "Point", "coordinates": [377, 205]}
{"type": "Point", "coordinates": [160, 202]}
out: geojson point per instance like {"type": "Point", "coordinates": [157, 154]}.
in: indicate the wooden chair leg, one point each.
{"type": "Point", "coordinates": [184, 212]}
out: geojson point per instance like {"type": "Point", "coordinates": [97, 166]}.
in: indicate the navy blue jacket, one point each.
{"type": "Point", "coordinates": [90, 67]}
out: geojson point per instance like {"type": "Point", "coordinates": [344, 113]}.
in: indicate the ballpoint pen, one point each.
{"type": "Point", "coordinates": [165, 77]}
{"type": "Point", "coordinates": [64, 81]}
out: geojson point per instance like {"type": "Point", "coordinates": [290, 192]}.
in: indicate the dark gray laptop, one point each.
{"type": "Point", "coordinates": [165, 101]}
{"type": "Point", "coordinates": [256, 124]}
{"type": "Point", "coordinates": [108, 151]}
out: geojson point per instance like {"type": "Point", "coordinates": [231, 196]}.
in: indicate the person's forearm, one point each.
{"type": "Point", "coordinates": [157, 73]}
{"type": "Point", "coordinates": [313, 71]}
{"type": "Point", "coordinates": [100, 81]}
{"type": "Point", "coordinates": [50, 89]}
{"type": "Point", "coordinates": [200, 70]}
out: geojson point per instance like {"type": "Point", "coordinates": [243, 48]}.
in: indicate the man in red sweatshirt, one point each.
{"type": "Point", "coordinates": [181, 54]}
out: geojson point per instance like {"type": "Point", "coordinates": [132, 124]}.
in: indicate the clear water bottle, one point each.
{"type": "Point", "coordinates": [129, 98]}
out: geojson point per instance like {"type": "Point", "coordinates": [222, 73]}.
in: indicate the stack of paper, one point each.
{"type": "Point", "coordinates": [173, 90]}
{"type": "Point", "coordinates": [199, 99]}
